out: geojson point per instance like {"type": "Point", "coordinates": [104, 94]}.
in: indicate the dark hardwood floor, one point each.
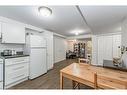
{"type": "Point", "coordinates": [50, 80]}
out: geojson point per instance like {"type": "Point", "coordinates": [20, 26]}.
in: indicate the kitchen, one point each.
{"type": "Point", "coordinates": [34, 49]}
{"type": "Point", "coordinates": [19, 45]}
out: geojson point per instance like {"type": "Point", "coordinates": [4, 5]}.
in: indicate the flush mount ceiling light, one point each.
{"type": "Point", "coordinates": [45, 11]}
{"type": "Point", "coordinates": [76, 33]}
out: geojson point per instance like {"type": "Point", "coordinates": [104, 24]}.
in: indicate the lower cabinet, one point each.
{"type": "Point", "coordinates": [16, 71]}
{"type": "Point", "coordinates": [1, 85]}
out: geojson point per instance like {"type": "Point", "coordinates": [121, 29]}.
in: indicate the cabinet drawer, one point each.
{"type": "Point", "coordinates": [14, 68]}
{"type": "Point", "coordinates": [1, 85]}
{"type": "Point", "coordinates": [16, 60]}
{"type": "Point", "coordinates": [15, 76]}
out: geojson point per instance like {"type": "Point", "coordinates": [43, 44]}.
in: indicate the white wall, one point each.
{"type": "Point", "coordinates": [70, 45]}
{"type": "Point", "coordinates": [17, 47]}
{"type": "Point", "coordinates": [124, 40]}
{"type": "Point", "coordinates": [80, 37]}
{"type": "Point", "coordinates": [110, 29]}
{"type": "Point", "coordinates": [60, 47]}
{"type": "Point", "coordinates": [124, 32]}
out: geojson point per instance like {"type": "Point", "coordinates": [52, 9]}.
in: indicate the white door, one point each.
{"type": "Point", "coordinates": [94, 50]}
{"type": "Point", "coordinates": [49, 42]}
{"type": "Point", "coordinates": [37, 62]}
{"type": "Point", "coordinates": [107, 54]}
{"type": "Point", "coordinates": [100, 50]}
{"type": "Point", "coordinates": [12, 33]}
{"type": "Point", "coordinates": [50, 52]}
{"type": "Point", "coordinates": [37, 41]}
{"type": "Point", "coordinates": [0, 31]}
{"type": "Point", "coordinates": [116, 45]}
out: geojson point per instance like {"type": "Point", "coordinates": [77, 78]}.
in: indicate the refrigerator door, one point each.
{"type": "Point", "coordinates": [37, 41]}
{"type": "Point", "coordinates": [37, 62]}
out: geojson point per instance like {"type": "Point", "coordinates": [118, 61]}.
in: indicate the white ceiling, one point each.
{"type": "Point", "coordinates": [103, 17]}
{"type": "Point", "coordinates": [65, 19]}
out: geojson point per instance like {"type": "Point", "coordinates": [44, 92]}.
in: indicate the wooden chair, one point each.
{"type": "Point", "coordinates": [74, 83]}
{"type": "Point", "coordinates": [83, 60]}
{"type": "Point", "coordinates": [94, 79]}
{"type": "Point", "coordinates": [103, 82]}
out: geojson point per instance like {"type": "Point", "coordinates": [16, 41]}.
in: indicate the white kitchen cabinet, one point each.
{"type": "Point", "coordinates": [1, 85]}
{"type": "Point", "coordinates": [16, 69]}
{"type": "Point", "coordinates": [13, 33]}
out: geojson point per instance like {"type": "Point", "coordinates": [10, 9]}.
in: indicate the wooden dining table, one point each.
{"type": "Point", "coordinates": [87, 74]}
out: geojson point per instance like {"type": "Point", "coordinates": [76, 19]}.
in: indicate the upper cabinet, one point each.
{"type": "Point", "coordinates": [13, 33]}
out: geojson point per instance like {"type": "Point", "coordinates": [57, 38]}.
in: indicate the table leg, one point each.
{"type": "Point", "coordinates": [78, 85]}
{"type": "Point", "coordinates": [73, 84]}
{"type": "Point", "coordinates": [61, 81]}
{"type": "Point", "coordinates": [95, 81]}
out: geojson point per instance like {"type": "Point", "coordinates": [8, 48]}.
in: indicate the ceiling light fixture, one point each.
{"type": "Point", "coordinates": [76, 33]}
{"type": "Point", "coordinates": [45, 11]}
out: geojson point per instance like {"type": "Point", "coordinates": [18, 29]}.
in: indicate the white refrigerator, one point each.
{"type": "Point", "coordinates": [36, 47]}
{"type": "Point", "coordinates": [1, 74]}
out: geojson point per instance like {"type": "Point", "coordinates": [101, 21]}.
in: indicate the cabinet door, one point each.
{"type": "Point", "coordinates": [1, 85]}
{"type": "Point", "coordinates": [116, 45]}
{"type": "Point", "coordinates": [94, 50]}
{"type": "Point", "coordinates": [49, 37]}
{"type": "Point", "coordinates": [107, 48]}
{"type": "Point", "coordinates": [100, 50]}
{"type": "Point", "coordinates": [37, 41]}
{"type": "Point", "coordinates": [104, 49]}
{"type": "Point", "coordinates": [13, 33]}
{"type": "Point", "coordinates": [49, 41]}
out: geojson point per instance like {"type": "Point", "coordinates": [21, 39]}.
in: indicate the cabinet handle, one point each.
{"type": "Point", "coordinates": [22, 61]}
{"type": "Point", "coordinates": [19, 61]}
{"type": "Point", "coordinates": [18, 76]}
{"type": "Point", "coordinates": [18, 68]}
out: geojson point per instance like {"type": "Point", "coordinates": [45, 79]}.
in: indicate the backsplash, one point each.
{"type": "Point", "coordinates": [11, 47]}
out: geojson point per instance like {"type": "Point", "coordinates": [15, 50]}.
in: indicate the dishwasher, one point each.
{"type": "Point", "coordinates": [1, 73]}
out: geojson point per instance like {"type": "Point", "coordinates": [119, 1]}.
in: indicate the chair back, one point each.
{"type": "Point", "coordinates": [83, 60]}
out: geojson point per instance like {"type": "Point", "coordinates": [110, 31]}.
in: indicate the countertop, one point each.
{"type": "Point", "coordinates": [13, 56]}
